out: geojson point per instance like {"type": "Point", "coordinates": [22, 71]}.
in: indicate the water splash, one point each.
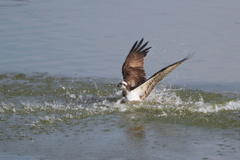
{"type": "Point", "coordinates": [41, 103]}
{"type": "Point", "coordinates": [41, 92]}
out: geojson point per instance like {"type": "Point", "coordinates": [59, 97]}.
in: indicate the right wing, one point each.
{"type": "Point", "coordinates": [146, 88]}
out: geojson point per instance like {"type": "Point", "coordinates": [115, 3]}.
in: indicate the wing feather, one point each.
{"type": "Point", "coordinates": [133, 67]}
{"type": "Point", "coordinates": [146, 88]}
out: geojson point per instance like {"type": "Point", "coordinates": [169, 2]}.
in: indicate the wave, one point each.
{"type": "Point", "coordinates": [41, 91]}
{"type": "Point", "coordinates": [45, 99]}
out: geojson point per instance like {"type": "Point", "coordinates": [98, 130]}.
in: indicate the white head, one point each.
{"type": "Point", "coordinates": [123, 85]}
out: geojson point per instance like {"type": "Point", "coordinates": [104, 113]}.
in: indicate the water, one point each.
{"type": "Point", "coordinates": [60, 117]}
{"type": "Point", "coordinates": [61, 62]}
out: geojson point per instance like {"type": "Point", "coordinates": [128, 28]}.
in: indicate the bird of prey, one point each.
{"type": "Point", "coordinates": [135, 86]}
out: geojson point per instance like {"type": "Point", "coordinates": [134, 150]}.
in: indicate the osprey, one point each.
{"type": "Point", "coordinates": [135, 86]}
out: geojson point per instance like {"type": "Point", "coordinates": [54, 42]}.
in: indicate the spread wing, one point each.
{"type": "Point", "coordinates": [133, 67]}
{"type": "Point", "coordinates": [146, 88]}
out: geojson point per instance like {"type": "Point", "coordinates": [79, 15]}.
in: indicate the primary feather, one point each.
{"type": "Point", "coordinates": [133, 67]}
{"type": "Point", "coordinates": [135, 86]}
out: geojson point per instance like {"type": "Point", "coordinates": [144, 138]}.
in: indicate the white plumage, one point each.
{"type": "Point", "coordinates": [135, 86]}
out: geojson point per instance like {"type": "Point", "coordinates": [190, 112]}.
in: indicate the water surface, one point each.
{"type": "Point", "coordinates": [61, 62]}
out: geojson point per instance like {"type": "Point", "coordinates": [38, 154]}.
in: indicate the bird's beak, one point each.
{"type": "Point", "coordinates": [119, 84]}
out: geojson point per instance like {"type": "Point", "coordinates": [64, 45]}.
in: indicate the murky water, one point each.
{"type": "Point", "coordinates": [61, 62]}
{"type": "Point", "coordinates": [56, 117]}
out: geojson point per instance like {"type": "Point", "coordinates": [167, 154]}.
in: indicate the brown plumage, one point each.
{"type": "Point", "coordinates": [133, 67]}
{"type": "Point", "coordinates": [149, 84]}
{"type": "Point", "coordinates": [135, 86]}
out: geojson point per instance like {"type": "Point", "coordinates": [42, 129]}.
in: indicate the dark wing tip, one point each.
{"type": "Point", "coordinates": [188, 56]}
{"type": "Point", "coordinates": [138, 47]}
{"type": "Point", "coordinates": [146, 50]}
{"type": "Point", "coordinates": [133, 47]}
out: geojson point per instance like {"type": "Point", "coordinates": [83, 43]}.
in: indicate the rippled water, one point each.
{"type": "Point", "coordinates": [61, 63]}
{"type": "Point", "coordinates": [36, 105]}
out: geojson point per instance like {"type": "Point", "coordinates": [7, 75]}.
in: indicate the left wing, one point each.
{"type": "Point", "coordinates": [133, 67]}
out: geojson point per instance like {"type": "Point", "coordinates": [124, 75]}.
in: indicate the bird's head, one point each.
{"type": "Point", "coordinates": [123, 85]}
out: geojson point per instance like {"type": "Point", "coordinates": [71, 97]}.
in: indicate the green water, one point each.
{"type": "Point", "coordinates": [35, 107]}
{"type": "Point", "coordinates": [70, 113]}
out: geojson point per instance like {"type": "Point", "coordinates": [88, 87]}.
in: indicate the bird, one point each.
{"type": "Point", "coordinates": [135, 86]}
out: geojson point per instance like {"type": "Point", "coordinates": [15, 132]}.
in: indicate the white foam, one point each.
{"type": "Point", "coordinates": [7, 107]}
{"type": "Point", "coordinates": [167, 98]}
{"type": "Point", "coordinates": [163, 100]}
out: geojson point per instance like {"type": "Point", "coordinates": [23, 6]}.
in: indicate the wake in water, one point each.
{"type": "Point", "coordinates": [38, 101]}
{"type": "Point", "coordinates": [36, 92]}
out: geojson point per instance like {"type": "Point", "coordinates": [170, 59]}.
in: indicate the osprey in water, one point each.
{"type": "Point", "coordinates": [135, 86]}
